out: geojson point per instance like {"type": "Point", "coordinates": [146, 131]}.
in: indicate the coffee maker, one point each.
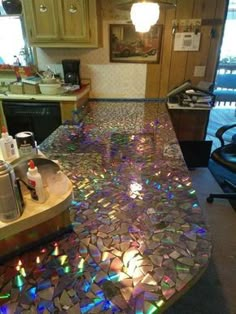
{"type": "Point", "coordinates": [71, 69]}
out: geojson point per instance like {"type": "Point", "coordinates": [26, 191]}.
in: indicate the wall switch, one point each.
{"type": "Point", "coordinates": [199, 71]}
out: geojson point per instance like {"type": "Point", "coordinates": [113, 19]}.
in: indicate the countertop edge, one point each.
{"type": "Point", "coordinates": [81, 93]}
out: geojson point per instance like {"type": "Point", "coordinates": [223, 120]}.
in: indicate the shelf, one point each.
{"type": "Point", "coordinates": [38, 220]}
{"type": "Point", "coordinates": [35, 213]}
{"type": "Point", "coordinates": [178, 107]}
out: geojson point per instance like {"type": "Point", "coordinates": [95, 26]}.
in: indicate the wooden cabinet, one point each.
{"type": "Point", "coordinates": [68, 107]}
{"type": "Point", "coordinates": [2, 117]}
{"type": "Point", "coordinates": [62, 23]}
{"type": "Point", "coordinates": [189, 124]}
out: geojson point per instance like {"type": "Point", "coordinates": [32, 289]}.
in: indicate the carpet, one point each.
{"type": "Point", "coordinates": [205, 297]}
{"type": "Point", "coordinates": [220, 173]}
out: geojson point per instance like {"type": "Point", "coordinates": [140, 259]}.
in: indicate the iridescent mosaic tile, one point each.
{"type": "Point", "coordinates": [138, 237]}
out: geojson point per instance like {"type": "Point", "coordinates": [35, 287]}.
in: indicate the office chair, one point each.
{"type": "Point", "coordinates": [225, 155]}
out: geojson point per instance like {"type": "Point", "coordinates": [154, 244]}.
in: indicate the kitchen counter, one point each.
{"type": "Point", "coordinates": [62, 97]}
{"type": "Point", "coordinates": [139, 239]}
{"type": "Point", "coordinates": [68, 102]}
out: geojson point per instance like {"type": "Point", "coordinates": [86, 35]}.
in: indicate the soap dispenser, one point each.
{"type": "Point", "coordinates": [8, 146]}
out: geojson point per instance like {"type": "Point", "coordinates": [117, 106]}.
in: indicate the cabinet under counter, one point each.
{"type": "Point", "coordinates": [190, 124]}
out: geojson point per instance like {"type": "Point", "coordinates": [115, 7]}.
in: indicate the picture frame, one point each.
{"type": "Point", "coordinates": [127, 45]}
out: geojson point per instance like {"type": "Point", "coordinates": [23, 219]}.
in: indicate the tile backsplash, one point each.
{"type": "Point", "coordinates": [116, 80]}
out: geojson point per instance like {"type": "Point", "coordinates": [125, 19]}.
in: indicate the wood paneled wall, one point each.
{"type": "Point", "coordinates": [178, 66]}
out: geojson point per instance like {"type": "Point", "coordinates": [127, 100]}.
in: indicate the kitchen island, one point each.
{"type": "Point", "coordinates": [139, 240]}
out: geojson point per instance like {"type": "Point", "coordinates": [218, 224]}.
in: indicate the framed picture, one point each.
{"type": "Point", "coordinates": [127, 45]}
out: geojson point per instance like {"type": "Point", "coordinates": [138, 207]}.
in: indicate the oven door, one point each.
{"type": "Point", "coordinates": [40, 118]}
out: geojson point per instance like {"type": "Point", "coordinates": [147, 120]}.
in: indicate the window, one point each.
{"type": "Point", "coordinates": [13, 48]}
{"type": "Point", "coordinates": [228, 49]}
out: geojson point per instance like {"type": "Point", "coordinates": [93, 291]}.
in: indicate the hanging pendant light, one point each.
{"type": "Point", "coordinates": [144, 15]}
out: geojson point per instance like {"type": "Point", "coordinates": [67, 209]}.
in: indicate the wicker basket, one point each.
{"type": "Point", "coordinates": [16, 88]}
{"type": "Point", "coordinates": [31, 89]}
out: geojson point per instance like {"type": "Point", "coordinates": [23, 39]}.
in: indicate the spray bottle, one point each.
{"type": "Point", "coordinates": [38, 194]}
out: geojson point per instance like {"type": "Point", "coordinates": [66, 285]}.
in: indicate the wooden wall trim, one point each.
{"type": "Point", "coordinates": [176, 66]}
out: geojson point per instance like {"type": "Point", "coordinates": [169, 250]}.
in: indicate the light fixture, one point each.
{"type": "Point", "coordinates": [144, 15]}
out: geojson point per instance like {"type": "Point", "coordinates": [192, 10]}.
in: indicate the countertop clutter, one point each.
{"type": "Point", "coordinates": [26, 82]}
{"type": "Point", "coordinates": [139, 240]}
{"type": "Point", "coordinates": [58, 195]}
{"type": "Point", "coordinates": [72, 96]}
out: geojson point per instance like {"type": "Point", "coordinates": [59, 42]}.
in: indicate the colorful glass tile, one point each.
{"type": "Point", "coordinates": [139, 236]}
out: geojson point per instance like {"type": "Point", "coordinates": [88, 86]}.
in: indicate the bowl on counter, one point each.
{"type": "Point", "coordinates": [50, 89]}
{"type": "Point", "coordinates": [50, 80]}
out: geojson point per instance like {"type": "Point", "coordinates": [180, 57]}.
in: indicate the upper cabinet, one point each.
{"type": "Point", "coordinates": [62, 23]}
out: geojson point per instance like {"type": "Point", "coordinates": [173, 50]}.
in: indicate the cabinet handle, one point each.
{"type": "Point", "coordinates": [73, 9]}
{"type": "Point", "coordinates": [43, 8]}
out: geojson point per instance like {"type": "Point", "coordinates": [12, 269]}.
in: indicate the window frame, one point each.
{"type": "Point", "coordinates": [30, 52]}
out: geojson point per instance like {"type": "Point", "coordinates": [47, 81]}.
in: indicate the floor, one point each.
{"type": "Point", "coordinates": [221, 219]}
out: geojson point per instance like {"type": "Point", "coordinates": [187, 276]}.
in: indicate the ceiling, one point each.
{"type": "Point", "coordinates": [126, 4]}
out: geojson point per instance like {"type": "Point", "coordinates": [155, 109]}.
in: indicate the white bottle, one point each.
{"type": "Point", "coordinates": [35, 181]}
{"type": "Point", "coordinates": [8, 146]}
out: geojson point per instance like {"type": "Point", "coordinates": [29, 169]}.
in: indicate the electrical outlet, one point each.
{"type": "Point", "coordinates": [183, 23]}
{"type": "Point", "coordinates": [196, 22]}
{"type": "Point", "coordinates": [199, 71]}
{"type": "Point", "coordinates": [174, 22]}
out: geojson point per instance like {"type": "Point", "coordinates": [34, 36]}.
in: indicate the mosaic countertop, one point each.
{"type": "Point", "coordinates": [139, 240]}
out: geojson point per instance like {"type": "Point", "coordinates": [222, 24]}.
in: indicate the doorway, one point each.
{"type": "Point", "coordinates": [224, 111]}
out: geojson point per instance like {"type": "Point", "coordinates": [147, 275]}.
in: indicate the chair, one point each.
{"type": "Point", "coordinates": [225, 155]}
{"type": "Point", "coordinates": [225, 87]}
